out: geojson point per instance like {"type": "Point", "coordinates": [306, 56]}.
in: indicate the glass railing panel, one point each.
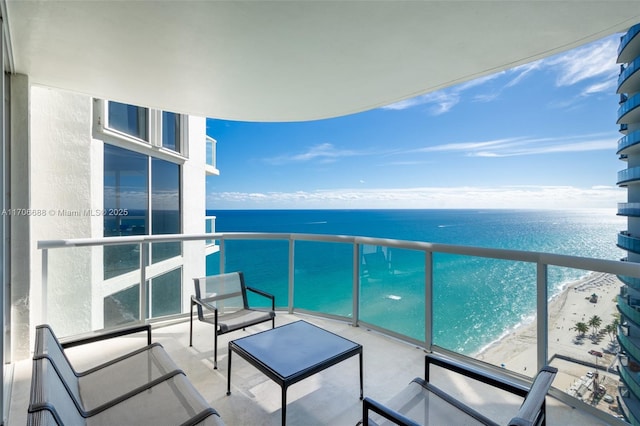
{"type": "Point", "coordinates": [630, 69]}
{"type": "Point", "coordinates": [624, 41]}
{"type": "Point", "coordinates": [628, 140]}
{"type": "Point", "coordinates": [629, 174]}
{"type": "Point", "coordinates": [264, 263]}
{"type": "Point", "coordinates": [631, 104]}
{"type": "Point", "coordinates": [120, 259]}
{"type": "Point", "coordinates": [582, 328]}
{"type": "Point", "coordinates": [166, 294]}
{"type": "Point", "coordinates": [480, 303]}
{"type": "Point", "coordinates": [209, 228]}
{"type": "Point", "coordinates": [164, 251]}
{"type": "Point", "coordinates": [392, 289]}
{"type": "Point", "coordinates": [122, 307]}
{"type": "Point", "coordinates": [629, 209]}
{"type": "Point", "coordinates": [628, 242]}
{"type": "Point", "coordinates": [323, 277]}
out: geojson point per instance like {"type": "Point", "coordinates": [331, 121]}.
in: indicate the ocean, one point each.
{"type": "Point", "coordinates": [476, 300]}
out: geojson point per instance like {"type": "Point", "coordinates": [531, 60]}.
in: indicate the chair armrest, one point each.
{"type": "Point", "coordinates": [265, 294]}
{"type": "Point", "coordinates": [369, 404]}
{"type": "Point", "coordinates": [204, 303]}
{"type": "Point", "coordinates": [532, 410]}
{"type": "Point", "coordinates": [474, 373]}
{"type": "Point", "coordinates": [105, 334]}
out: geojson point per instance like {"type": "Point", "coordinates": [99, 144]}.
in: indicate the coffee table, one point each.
{"type": "Point", "coordinates": [293, 352]}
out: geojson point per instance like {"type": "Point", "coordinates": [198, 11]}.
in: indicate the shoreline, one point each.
{"type": "Point", "coordinates": [516, 350]}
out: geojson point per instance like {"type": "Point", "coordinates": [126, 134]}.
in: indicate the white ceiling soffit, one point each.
{"type": "Point", "coordinates": [290, 60]}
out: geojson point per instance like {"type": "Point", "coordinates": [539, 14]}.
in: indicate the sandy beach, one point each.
{"type": "Point", "coordinates": [517, 350]}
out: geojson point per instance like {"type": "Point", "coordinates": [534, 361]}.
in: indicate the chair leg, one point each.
{"type": "Point", "coordinates": [215, 350]}
{"type": "Point", "coordinates": [191, 327]}
{"type": "Point", "coordinates": [273, 322]}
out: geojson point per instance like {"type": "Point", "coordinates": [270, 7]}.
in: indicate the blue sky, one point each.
{"type": "Point", "coordinates": [542, 135]}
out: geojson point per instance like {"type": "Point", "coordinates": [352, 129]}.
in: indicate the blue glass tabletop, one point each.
{"type": "Point", "coordinates": [295, 347]}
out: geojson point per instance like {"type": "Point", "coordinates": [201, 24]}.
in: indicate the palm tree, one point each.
{"type": "Point", "coordinates": [595, 322]}
{"type": "Point", "coordinates": [581, 328]}
{"type": "Point", "coordinates": [611, 331]}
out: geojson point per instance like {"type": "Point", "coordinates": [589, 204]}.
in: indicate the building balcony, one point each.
{"type": "Point", "coordinates": [629, 78]}
{"type": "Point", "coordinates": [627, 176]}
{"type": "Point", "coordinates": [629, 143]}
{"type": "Point", "coordinates": [632, 313]}
{"type": "Point", "coordinates": [211, 164]}
{"type": "Point", "coordinates": [629, 47]}
{"type": "Point", "coordinates": [629, 112]}
{"type": "Point", "coordinates": [394, 311]}
{"type": "Point", "coordinates": [628, 242]}
{"type": "Point", "coordinates": [629, 209]}
{"type": "Point", "coordinates": [630, 281]}
{"type": "Point", "coordinates": [630, 380]}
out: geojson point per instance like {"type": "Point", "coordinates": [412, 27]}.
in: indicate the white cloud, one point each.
{"type": "Point", "coordinates": [324, 153]}
{"type": "Point", "coordinates": [519, 146]}
{"type": "Point", "coordinates": [523, 197]}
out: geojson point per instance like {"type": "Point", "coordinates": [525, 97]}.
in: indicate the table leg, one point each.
{"type": "Point", "coordinates": [361, 377]}
{"type": "Point", "coordinates": [229, 373]}
{"type": "Point", "coordinates": [284, 405]}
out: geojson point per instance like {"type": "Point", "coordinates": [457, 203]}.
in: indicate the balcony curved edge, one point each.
{"type": "Point", "coordinates": [629, 78]}
{"type": "Point", "coordinates": [627, 41]}
{"type": "Point", "coordinates": [628, 112]}
{"type": "Point", "coordinates": [628, 141]}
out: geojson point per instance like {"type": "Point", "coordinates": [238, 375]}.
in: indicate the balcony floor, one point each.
{"type": "Point", "coordinates": [327, 398]}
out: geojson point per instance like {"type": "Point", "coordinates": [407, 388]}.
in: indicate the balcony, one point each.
{"type": "Point", "coordinates": [627, 176]}
{"type": "Point", "coordinates": [629, 78]}
{"type": "Point", "coordinates": [629, 47]}
{"type": "Point", "coordinates": [633, 314]}
{"type": "Point", "coordinates": [376, 303]}
{"type": "Point", "coordinates": [628, 242]}
{"type": "Point", "coordinates": [211, 165]}
{"type": "Point", "coordinates": [630, 281]}
{"type": "Point", "coordinates": [629, 142]}
{"type": "Point", "coordinates": [629, 112]}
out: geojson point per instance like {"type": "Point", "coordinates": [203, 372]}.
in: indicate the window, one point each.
{"type": "Point", "coordinates": [171, 131]}
{"type": "Point", "coordinates": [162, 129]}
{"type": "Point", "coordinates": [129, 119]}
{"type": "Point", "coordinates": [141, 197]}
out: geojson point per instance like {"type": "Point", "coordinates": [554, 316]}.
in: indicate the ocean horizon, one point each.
{"type": "Point", "coordinates": [476, 300]}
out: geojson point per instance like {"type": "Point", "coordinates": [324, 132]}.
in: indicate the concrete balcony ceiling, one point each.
{"type": "Point", "coordinates": [293, 60]}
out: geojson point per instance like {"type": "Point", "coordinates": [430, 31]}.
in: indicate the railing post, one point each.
{"type": "Point", "coordinates": [222, 255]}
{"type": "Point", "coordinates": [428, 298]}
{"type": "Point", "coordinates": [356, 285]}
{"type": "Point", "coordinates": [542, 314]}
{"type": "Point", "coordinates": [45, 282]}
{"type": "Point", "coordinates": [291, 273]}
{"type": "Point", "coordinates": [143, 282]}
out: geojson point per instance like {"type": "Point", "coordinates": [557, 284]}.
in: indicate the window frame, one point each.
{"type": "Point", "coordinates": [152, 147]}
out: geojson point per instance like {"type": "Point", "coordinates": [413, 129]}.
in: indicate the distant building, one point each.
{"type": "Point", "coordinates": [629, 240]}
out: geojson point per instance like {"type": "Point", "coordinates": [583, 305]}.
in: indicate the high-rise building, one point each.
{"type": "Point", "coordinates": [629, 240]}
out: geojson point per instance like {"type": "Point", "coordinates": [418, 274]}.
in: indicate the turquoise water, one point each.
{"type": "Point", "coordinates": [475, 300]}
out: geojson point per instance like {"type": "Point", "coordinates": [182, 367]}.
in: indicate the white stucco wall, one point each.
{"type": "Point", "coordinates": [62, 175]}
{"type": "Point", "coordinates": [61, 166]}
{"type": "Point", "coordinates": [193, 206]}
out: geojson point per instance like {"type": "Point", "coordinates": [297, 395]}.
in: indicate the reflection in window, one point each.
{"type": "Point", "coordinates": [125, 190]}
{"type": "Point", "coordinates": [164, 299]}
{"type": "Point", "coordinates": [129, 119]}
{"type": "Point", "coordinates": [166, 291]}
{"type": "Point", "coordinates": [171, 131]}
{"type": "Point", "coordinates": [165, 207]}
{"type": "Point", "coordinates": [127, 178]}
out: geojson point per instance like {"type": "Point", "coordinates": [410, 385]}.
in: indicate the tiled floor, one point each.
{"type": "Point", "coordinates": [330, 397]}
